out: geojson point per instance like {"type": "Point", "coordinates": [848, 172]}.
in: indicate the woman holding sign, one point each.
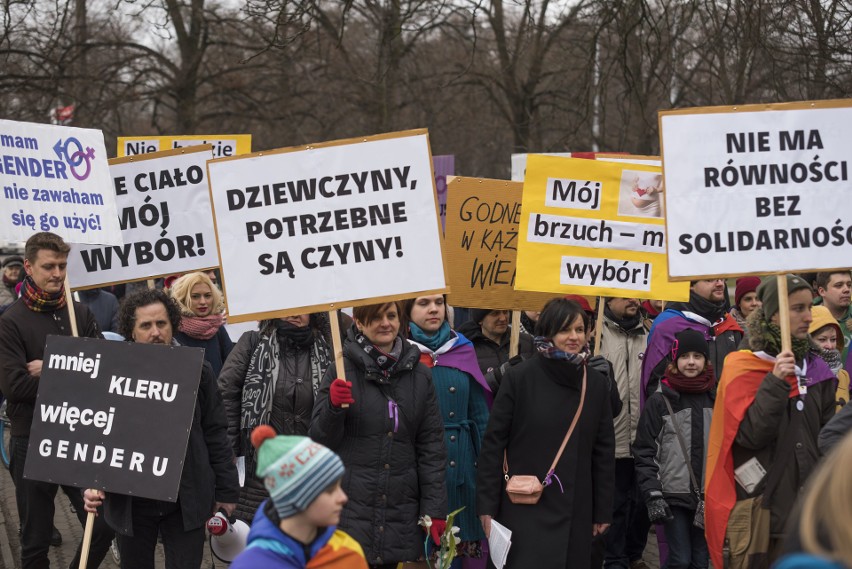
{"type": "Point", "coordinates": [202, 322]}
{"type": "Point", "coordinates": [548, 399]}
{"type": "Point", "coordinates": [384, 422]}
{"type": "Point", "coordinates": [271, 378]}
{"type": "Point", "coordinates": [464, 398]}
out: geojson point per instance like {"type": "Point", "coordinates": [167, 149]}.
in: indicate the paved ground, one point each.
{"type": "Point", "coordinates": [66, 522]}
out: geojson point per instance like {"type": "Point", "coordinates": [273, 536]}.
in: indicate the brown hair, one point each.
{"type": "Point", "coordinates": [822, 279]}
{"type": "Point", "coordinates": [405, 314]}
{"type": "Point", "coordinates": [370, 312]}
{"type": "Point", "coordinates": [825, 519]}
{"type": "Point", "coordinates": [45, 240]}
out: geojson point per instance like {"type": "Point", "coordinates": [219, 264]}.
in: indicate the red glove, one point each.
{"type": "Point", "coordinates": [437, 530]}
{"type": "Point", "coordinates": [340, 393]}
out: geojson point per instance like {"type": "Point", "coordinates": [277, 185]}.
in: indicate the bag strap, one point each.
{"type": "Point", "coordinates": [682, 446]}
{"type": "Point", "coordinates": [564, 441]}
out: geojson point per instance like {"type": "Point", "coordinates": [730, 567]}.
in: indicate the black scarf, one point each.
{"type": "Point", "coordinates": [625, 324]}
{"type": "Point", "coordinates": [712, 311]}
{"type": "Point", "coordinates": [299, 336]}
{"type": "Point", "coordinates": [385, 362]}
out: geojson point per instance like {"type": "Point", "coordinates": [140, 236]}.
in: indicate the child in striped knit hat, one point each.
{"type": "Point", "coordinates": [297, 526]}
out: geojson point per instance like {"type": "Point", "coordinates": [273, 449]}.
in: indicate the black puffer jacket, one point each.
{"type": "Point", "coordinates": [394, 473]}
{"type": "Point", "coordinates": [292, 404]}
{"type": "Point", "coordinates": [491, 355]}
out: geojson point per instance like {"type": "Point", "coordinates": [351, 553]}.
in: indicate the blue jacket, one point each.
{"type": "Point", "coordinates": [270, 548]}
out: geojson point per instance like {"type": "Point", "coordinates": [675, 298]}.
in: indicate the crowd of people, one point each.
{"type": "Point", "coordinates": [690, 419]}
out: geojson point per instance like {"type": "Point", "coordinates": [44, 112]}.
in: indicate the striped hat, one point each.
{"type": "Point", "coordinates": [295, 470]}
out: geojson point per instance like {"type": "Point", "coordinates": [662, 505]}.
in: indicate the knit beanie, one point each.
{"type": "Point", "coordinates": [767, 292]}
{"type": "Point", "coordinates": [295, 470]}
{"type": "Point", "coordinates": [745, 285]}
{"type": "Point", "coordinates": [479, 314]}
{"type": "Point", "coordinates": [689, 340]}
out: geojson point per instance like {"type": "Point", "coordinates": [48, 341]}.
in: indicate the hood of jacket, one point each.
{"type": "Point", "coordinates": [473, 332]}
{"type": "Point", "coordinates": [266, 535]}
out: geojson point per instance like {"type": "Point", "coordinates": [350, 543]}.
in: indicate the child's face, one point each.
{"type": "Point", "coordinates": [691, 364]}
{"type": "Point", "coordinates": [826, 338]}
{"type": "Point", "coordinates": [325, 510]}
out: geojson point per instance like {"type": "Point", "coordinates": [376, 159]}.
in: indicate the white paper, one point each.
{"type": "Point", "coordinates": [749, 474]}
{"type": "Point", "coordinates": [241, 470]}
{"type": "Point", "coordinates": [499, 543]}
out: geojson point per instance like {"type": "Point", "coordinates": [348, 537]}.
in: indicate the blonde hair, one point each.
{"type": "Point", "coordinates": [825, 515]}
{"type": "Point", "coordinates": [181, 291]}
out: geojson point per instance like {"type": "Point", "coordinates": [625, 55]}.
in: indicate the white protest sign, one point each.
{"type": "Point", "coordinates": [755, 189]}
{"type": "Point", "coordinates": [56, 179]}
{"type": "Point", "coordinates": [165, 217]}
{"type": "Point", "coordinates": [341, 223]}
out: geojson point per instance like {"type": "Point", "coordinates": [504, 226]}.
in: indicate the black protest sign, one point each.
{"type": "Point", "coordinates": [114, 416]}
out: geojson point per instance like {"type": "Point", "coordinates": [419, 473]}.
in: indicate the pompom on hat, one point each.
{"type": "Point", "coordinates": [295, 470]}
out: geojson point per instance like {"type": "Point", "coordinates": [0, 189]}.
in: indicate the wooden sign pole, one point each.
{"type": "Point", "coordinates": [515, 337]}
{"type": "Point", "coordinates": [90, 518]}
{"type": "Point", "coordinates": [784, 313]}
{"type": "Point", "coordinates": [599, 326]}
{"type": "Point", "coordinates": [337, 346]}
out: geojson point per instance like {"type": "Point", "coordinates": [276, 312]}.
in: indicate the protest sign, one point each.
{"type": "Point", "coordinates": [165, 217]}
{"type": "Point", "coordinates": [56, 179]}
{"type": "Point", "coordinates": [224, 145]}
{"type": "Point", "coordinates": [755, 189]}
{"type": "Point", "coordinates": [593, 227]}
{"type": "Point", "coordinates": [114, 416]}
{"type": "Point", "coordinates": [481, 243]}
{"type": "Point", "coordinates": [344, 223]}
{"type": "Point", "coordinates": [444, 167]}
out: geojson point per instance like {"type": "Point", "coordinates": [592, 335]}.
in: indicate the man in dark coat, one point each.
{"type": "Point", "coordinates": [530, 417]}
{"type": "Point", "coordinates": [24, 327]}
{"type": "Point", "coordinates": [395, 461]}
{"type": "Point", "coordinates": [490, 333]}
{"type": "Point", "coordinates": [209, 479]}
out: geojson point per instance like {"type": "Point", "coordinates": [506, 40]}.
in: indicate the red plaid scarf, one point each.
{"type": "Point", "coordinates": [38, 300]}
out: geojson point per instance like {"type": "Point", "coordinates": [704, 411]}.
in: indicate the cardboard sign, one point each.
{"type": "Point", "coordinates": [114, 416]}
{"type": "Point", "coordinates": [445, 166]}
{"type": "Point", "coordinates": [757, 189]}
{"type": "Point", "coordinates": [165, 217]}
{"type": "Point", "coordinates": [56, 179]}
{"type": "Point", "coordinates": [481, 244]}
{"type": "Point", "coordinates": [306, 229]}
{"type": "Point", "coordinates": [593, 227]}
{"type": "Point", "coordinates": [224, 145]}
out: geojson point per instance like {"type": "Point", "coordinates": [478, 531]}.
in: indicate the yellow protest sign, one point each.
{"type": "Point", "coordinates": [224, 145]}
{"type": "Point", "coordinates": [594, 227]}
{"type": "Point", "coordinates": [481, 244]}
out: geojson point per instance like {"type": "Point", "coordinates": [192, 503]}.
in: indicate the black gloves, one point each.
{"type": "Point", "coordinates": [658, 509]}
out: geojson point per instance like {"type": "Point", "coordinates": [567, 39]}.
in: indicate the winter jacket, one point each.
{"type": "Point", "coordinates": [531, 415]}
{"type": "Point", "coordinates": [837, 427]}
{"type": "Point", "coordinates": [23, 334]}
{"type": "Point", "coordinates": [624, 350]}
{"type": "Point", "coordinates": [395, 461]}
{"type": "Point", "coordinates": [463, 400]}
{"type": "Point", "coordinates": [292, 405]}
{"type": "Point", "coordinates": [104, 305]}
{"type": "Point", "coordinates": [216, 349]}
{"type": "Point", "coordinates": [209, 474]}
{"type": "Point", "coordinates": [660, 464]}
{"type": "Point", "coordinates": [489, 354]}
{"type": "Point", "coordinates": [270, 548]}
{"type": "Point", "coordinates": [722, 338]}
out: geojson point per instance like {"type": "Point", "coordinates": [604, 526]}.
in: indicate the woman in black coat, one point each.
{"type": "Point", "coordinates": [537, 401]}
{"type": "Point", "coordinates": [390, 437]}
{"type": "Point", "coordinates": [271, 377]}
